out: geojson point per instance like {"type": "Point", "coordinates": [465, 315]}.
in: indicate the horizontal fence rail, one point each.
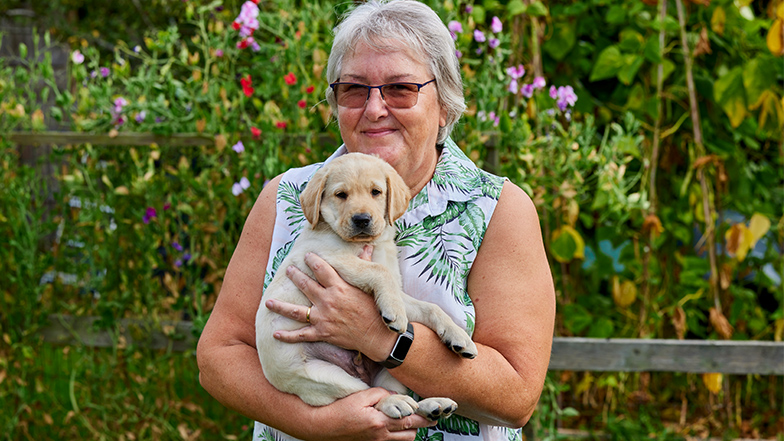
{"type": "Point", "coordinates": [569, 353]}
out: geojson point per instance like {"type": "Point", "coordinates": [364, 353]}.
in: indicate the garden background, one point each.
{"type": "Point", "coordinates": [660, 190]}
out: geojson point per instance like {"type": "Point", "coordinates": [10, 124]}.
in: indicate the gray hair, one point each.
{"type": "Point", "coordinates": [420, 30]}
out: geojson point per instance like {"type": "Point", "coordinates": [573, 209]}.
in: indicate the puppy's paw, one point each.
{"type": "Point", "coordinates": [459, 342]}
{"type": "Point", "coordinates": [393, 313]}
{"type": "Point", "coordinates": [397, 324]}
{"type": "Point", "coordinates": [435, 408]}
{"type": "Point", "coordinates": [397, 406]}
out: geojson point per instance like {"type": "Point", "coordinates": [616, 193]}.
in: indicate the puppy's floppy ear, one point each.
{"type": "Point", "coordinates": [398, 195]}
{"type": "Point", "coordinates": [310, 199]}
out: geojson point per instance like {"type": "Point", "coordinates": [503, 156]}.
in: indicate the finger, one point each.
{"type": "Point", "coordinates": [325, 274]}
{"type": "Point", "coordinates": [290, 310]}
{"type": "Point", "coordinates": [301, 335]}
{"type": "Point", "coordinates": [305, 283]}
{"type": "Point", "coordinates": [366, 253]}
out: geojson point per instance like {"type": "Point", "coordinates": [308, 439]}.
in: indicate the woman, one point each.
{"type": "Point", "coordinates": [500, 292]}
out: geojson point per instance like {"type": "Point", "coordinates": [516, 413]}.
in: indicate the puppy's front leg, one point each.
{"type": "Point", "coordinates": [430, 315]}
{"type": "Point", "coordinates": [375, 278]}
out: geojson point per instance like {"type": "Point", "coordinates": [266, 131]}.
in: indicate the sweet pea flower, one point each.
{"type": "Point", "coordinates": [302, 104]}
{"type": "Point", "coordinates": [105, 72]}
{"type": "Point", "coordinates": [177, 246]}
{"type": "Point", "coordinates": [513, 86]}
{"type": "Point", "coordinates": [290, 78]}
{"type": "Point", "coordinates": [496, 26]}
{"type": "Point", "coordinates": [527, 90]}
{"type": "Point", "coordinates": [469, 9]}
{"type": "Point", "coordinates": [479, 36]}
{"type": "Point", "coordinates": [310, 89]}
{"type": "Point", "coordinates": [219, 53]}
{"type": "Point", "coordinates": [244, 183]}
{"type": "Point", "coordinates": [149, 214]}
{"type": "Point", "coordinates": [455, 28]}
{"type": "Point", "coordinates": [77, 57]}
{"type": "Point", "coordinates": [566, 97]}
{"type": "Point", "coordinates": [516, 72]}
{"type": "Point", "coordinates": [281, 125]}
{"type": "Point", "coordinates": [246, 82]}
{"type": "Point", "coordinates": [239, 147]}
{"type": "Point", "coordinates": [458, 54]}
{"type": "Point", "coordinates": [539, 83]}
{"type": "Point", "coordinates": [255, 132]}
{"type": "Point", "coordinates": [119, 103]}
{"type": "Point", "coordinates": [140, 116]}
{"type": "Point", "coordinates": [494, 42]}
{"type": "Point", "coordinates": [553, 92]}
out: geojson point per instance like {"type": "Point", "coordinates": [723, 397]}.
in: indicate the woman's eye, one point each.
{"type": "Point", "coordinates": [341, 195]}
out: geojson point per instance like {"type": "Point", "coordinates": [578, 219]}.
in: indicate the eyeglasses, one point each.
{"type": "Point", "coordinates": [396, 95]}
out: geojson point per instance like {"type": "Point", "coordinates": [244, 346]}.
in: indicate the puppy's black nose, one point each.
{"type": "Point", "coordinates": [361, 220]}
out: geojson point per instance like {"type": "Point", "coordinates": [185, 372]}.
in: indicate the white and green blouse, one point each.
{"type": "Point", "coordinates": [437, 238]}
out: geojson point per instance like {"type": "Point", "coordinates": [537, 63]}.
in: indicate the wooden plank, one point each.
{"type": "Point", "coordinates": [649, 355]}
{"type": "Point", "coordinates": [569, 353]}
{"type": "Point", "coordinates": [81, 331]}
{"type": "Point", "coordinates": [122, 138]}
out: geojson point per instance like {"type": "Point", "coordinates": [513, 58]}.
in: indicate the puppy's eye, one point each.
{"type": "Point", "coordinates": [375, 192]}
{"type": "Point", "coordinates": [341, 195]}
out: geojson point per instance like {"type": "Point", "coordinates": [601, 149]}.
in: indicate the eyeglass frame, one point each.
{"type": "Point", "coordinates": [379, 87]}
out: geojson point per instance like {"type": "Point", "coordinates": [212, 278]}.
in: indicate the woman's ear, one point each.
{"type": "Point", "coordinates": [398, 195]}
{"type": "Point", "coordinates": [310, 199]}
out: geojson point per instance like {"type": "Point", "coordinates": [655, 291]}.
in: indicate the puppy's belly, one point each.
{"type": "Point", "coordinates": [352, 362]}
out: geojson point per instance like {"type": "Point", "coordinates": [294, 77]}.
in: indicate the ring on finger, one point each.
{"type": "Point", "coordinates": [307, 315]}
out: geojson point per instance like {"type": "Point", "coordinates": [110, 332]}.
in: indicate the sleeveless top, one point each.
{"type": "Point", "coordinates": [438, 238]}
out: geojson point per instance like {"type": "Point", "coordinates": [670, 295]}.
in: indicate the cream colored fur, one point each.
{"type": "Point", "coordinates": [339, 198]}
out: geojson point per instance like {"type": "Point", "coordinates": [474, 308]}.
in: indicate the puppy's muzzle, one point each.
{"type": "Point", "coordinates": [363, 223]}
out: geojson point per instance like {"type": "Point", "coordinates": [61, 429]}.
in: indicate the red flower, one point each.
{"type": "Point", "coordinates": [246, 85]}
{"type": "Point", "coordinates": [280, 124]}
{"type": "Point", "coordinates": [310, 89]}
{"type": "Point", "coordinates": [256, 132]}
{"type": "Point", "coordinates": [302, 104]}
{"type": "Point", "coordinates": [242, 44]}
{"type": "Point", "coordinates": [290, 78]}
{"type": "Point", "coordinates": [236, 26]}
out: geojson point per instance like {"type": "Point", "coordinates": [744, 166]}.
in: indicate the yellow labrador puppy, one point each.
{"type": "Point", "coordinates": [351, 202]}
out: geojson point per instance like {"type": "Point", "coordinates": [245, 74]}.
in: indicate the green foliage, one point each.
{"type": "Point", "coordinates": [147, 231]}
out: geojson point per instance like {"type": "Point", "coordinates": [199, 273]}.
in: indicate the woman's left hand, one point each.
{"type": "Point", "coordinates": [342, 315]}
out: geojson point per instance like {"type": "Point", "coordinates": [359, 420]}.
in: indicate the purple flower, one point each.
{"type": "Point", "coordinates": [469, 9]}
{"type": "Point", "coordinates": [140, 116]}
{"type": "Point", "coordinates": [236, 189]}
{"type": "Point", "coordinates": [137, 48]}
{"type": "Point", "coordinates": [496, 26]}
{"type": "Point", "coordinates": [513, 86]}
{"type": "Point", "coordinates": [186, 257]}
{"type": "Point", "coordinates": [119, 103]}
{"type": "Point", "coordinates": [527, 90]}
{"type": "Point", "coordinates": [494, 42]}
{"type": "Point", "coordinates": [479, 36]}
{"type": "Point", "coordinates": [77, 57]}
{"type": "Point", "coordinates": [516, 72]}
{"type": "Point", "coordinates": [219, 53]}
{"type": "Point", "coordinates": [455, 26]}
{"type": "Point", "coordinates": [553, 92]}
{"type": "Point", "coordinates": [93, 74]}
{"type": "Point", "coordinates": [479, 51]}
{"type": "Point", "coordinates": [177, 246]}
{"type": "Point", "coordinates": [239, 147]}
{"type": "Point", "coordinates": [244, 183]}
{"type": "Point", "coordinates": [539, 83]}
{"type": "Point", "coordinates": [458, 54]}
{"type": "Point", "coordinates": [566, 97]}
{"type": "Point", "coordinates": [105, 72]}
{"type": "Point", "coordinates": [149, 214]}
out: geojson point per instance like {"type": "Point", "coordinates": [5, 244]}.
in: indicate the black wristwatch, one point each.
{"type": "Point", "coordinates": [400, 350]}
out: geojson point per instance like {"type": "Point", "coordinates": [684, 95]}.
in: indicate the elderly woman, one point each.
{"type": "Point", "coordinates": [469, 242]}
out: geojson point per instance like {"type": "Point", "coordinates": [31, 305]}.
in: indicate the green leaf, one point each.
{"type": "Point", "coordinates": [652, 51]}
{"type": "Point", "coordinates": [537, 9]}
{"type": "Point", "coordinates": [632, 64]}
{"type": "Point", "coordinates": [515, 7]}
{"type": "Point", "coordinates": [562, 40]}
{"type": "Point", "coordinates": [631, 40]}
{"type": "Point", "coordinates": [563, 247]}
{"type": "Point", "coordinates": [729, 93]}
{"type": "Point", "coordinates": [479, 14]}
{"type": "Point", "coordinates": [22, 51]}
{"type": "Point", "coordinates": [668, 67]}
{"type": "Point", "coordinates": [616, 15]}
{"type": "Point", "coordinates": [608, 64]}
{"type": "Point", "coordinates": [759, 75]}
{"type": "Point", "coordinates": [576, 318]}
{"type": "Point", "coordinates": [601, 327]}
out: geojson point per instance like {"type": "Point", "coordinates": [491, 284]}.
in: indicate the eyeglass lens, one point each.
{"type": "Point", "coordinates": [397, 95]}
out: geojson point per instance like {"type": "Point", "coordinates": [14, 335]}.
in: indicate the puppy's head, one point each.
{"type": "Point", "coordinates": [357, 195]}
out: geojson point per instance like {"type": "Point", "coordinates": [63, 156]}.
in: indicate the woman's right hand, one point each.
{"type": "Point", "coordinates": [356, 418]}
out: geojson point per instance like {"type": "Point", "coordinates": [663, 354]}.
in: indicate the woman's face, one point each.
{"type": "Point", "coordinates": [405, 138]}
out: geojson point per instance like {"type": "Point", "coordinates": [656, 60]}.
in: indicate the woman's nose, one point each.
{"type": "Point", "coordinates": [375, 107]}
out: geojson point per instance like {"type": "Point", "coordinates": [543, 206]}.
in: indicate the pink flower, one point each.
{"type": "Point", "coordinates": [539, 83]}
{"type": "Point", "coordinates": [455, 26]}
{"type": "Point", "coordinates": [496, 26]}
{"type": "Point", "coordinates": [105, 72]}
{"type": "Point", "coordinates": [281, 124]}
{"type": "Point", "coordinates": [494, 42]}
{"type": "Point", "coordinates": [219, 53]}
{"type": "Point", "coordinates": [479, 36]}
{"type": "Point", "coordinates": [516, 72]}
{"type": "Point", "coordinates": [566, 97]}
{"type": "Point", "coordinates": [77, 57]}
{"type": "Point", "coordinates": [527, 90]}
{"type": "Point", "coordinates": [302, 104]}
{"type": "Point", "coordinates": [513, 86]}
{"type": "Point", "coordinates": [553, 92]}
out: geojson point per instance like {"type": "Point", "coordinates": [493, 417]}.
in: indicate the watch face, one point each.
{"type": "Point", "coordinates": [401, 348]}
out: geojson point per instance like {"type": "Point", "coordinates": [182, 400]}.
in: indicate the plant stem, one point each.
{"type": "Point", "coordinates": [695, 120]}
